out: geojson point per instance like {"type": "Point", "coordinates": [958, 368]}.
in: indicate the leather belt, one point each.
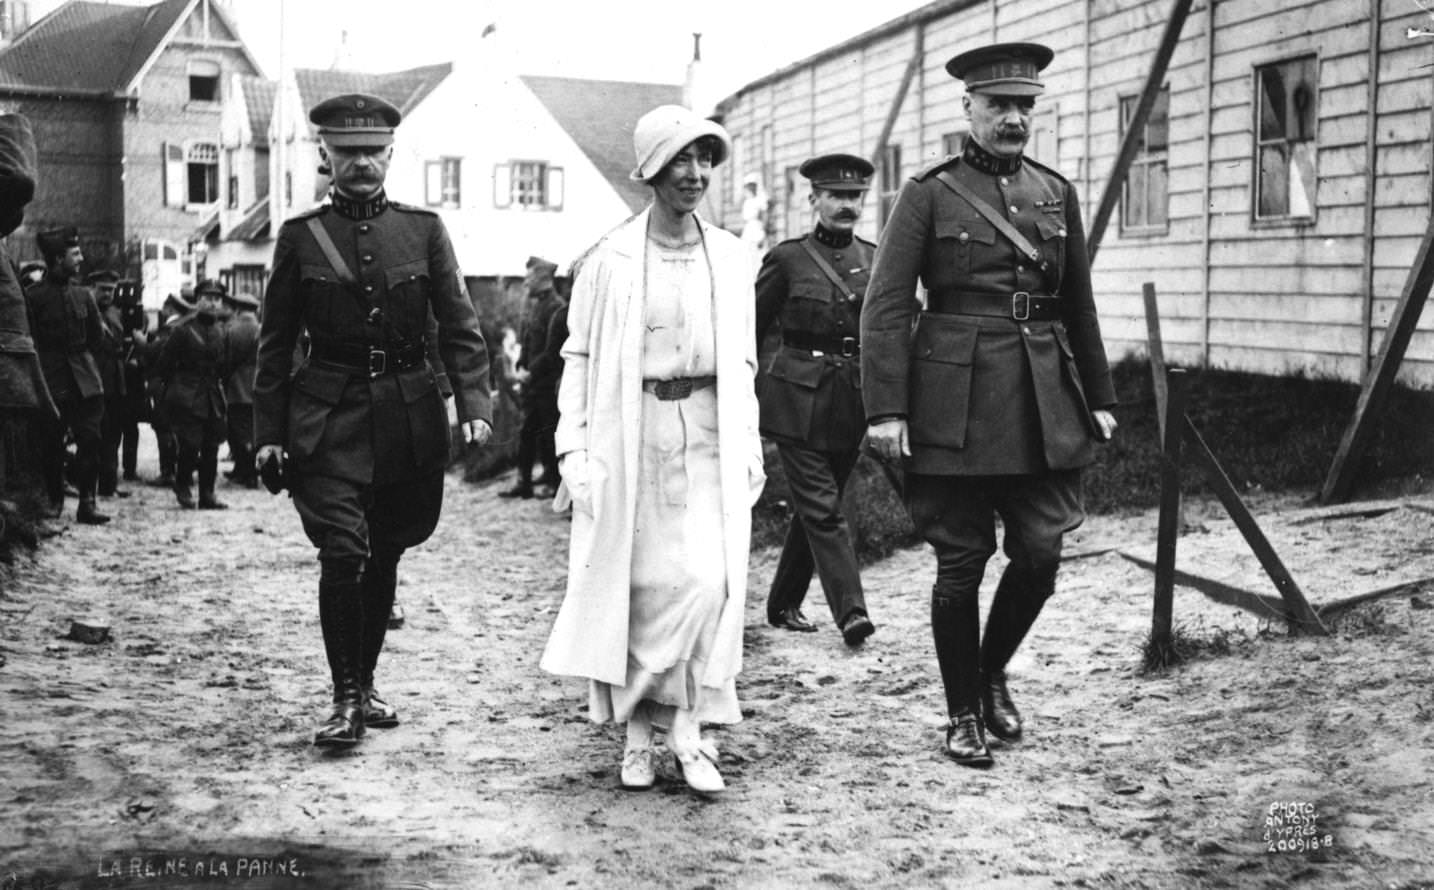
{"type": "Point", "coordinates": [677, 387]}
{"type": "Point", "coordinates": [372, 359]}
{"type": "Point", "coordinates": [1018, 306]}
{"type": "Point", "coordinates": [846, 347]}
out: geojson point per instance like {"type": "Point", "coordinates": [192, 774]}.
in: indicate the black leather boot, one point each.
{"type": "Point", "coordinates": [341, 617]}
{"type": "Point", "coordinates": [965, 742]}
{"type": "Point", "coordinates": [87, 514]}
{"type": "Point", "coordinates": [1002, 718]}
{"type": "Point", "coordinates": [380, 581]}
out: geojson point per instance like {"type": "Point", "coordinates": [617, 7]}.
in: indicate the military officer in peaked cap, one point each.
{"type": "Point", "coordinates": [69, 335]}
{"type": "Point", "coordinates": [810, 396]}
{"type": "Point", "coordinates": [360, 426]}
{"type": "Point", "coordinates": [998, 393]}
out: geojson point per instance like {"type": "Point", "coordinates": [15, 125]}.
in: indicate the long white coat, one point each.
{"type": "Point", "coordinates": [600, 399]}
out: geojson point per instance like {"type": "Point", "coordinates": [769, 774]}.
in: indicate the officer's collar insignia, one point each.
{"type": "Point", "coordinates": [351, 209]}
{"type": "Point", "coordinates": [986, 162]}
{"type": "Point", "coordinates": [826, 236]}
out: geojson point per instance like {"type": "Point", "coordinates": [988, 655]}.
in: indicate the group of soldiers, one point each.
{"type": "Point", "coordinates": [191, 378]}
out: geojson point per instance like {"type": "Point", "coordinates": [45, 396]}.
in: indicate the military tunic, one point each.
{"type": "Point", "coordinates": [810, 399]}
{"type": "Point", "coordinates": [362, 418]}
{"type": "Point", "coordinates": [985, 395]}
{"type": "Point", "coordinates": [65, 323]}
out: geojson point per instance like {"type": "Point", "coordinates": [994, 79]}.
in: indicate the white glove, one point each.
{"type": "Point", "coordinates": [575, 488]}
{"type": "Point", "coordinates": [756, 476]}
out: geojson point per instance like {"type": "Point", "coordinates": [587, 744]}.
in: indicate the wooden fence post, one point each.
{"type": "Point", "coordinates": [1169, 531]}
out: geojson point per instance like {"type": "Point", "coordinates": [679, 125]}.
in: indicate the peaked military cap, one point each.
{"type": "Point", "coordinates": [210, 287]}
{"type": "Point", "coordinates": [355, 120]}
{"type": "Point", "coordinates": [1002, 69]}
{"type": "Point", "coordinates": [541, 266]}
{"type": "Point", "coordinates": [178, 303]}
{"type": "Point", "coordinates": [102, 276]}
{"type": "Point", "coordinates": [54, 242]}
{"type": "Point", "coordinates": [243, 298]}
{"type": "Point", "coordinates": [838, 172]}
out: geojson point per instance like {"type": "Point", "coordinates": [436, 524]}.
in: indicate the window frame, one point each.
{"type": "Point", "coordinates": [1145, 159]}
{"type": "Point", "coordinates": [443, 182]}
{"type": "Point", "coordinates": [888, 181]}
{"type": "Point", "coordinates": [547, 181]}
{"type": "Point", "coordinates": [1259, 143]}
{"type": "Point", "coordinates": [207, 71]}
{"type": "Point", "coordinates": [193, 147]}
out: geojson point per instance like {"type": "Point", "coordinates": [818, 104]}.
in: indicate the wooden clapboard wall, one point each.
{"type": "Point", "coordinates": [1269, 296]}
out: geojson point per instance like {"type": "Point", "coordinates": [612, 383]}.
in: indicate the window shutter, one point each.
{"type": "Point", "coordinates": [175, 180]}
{"type": "Point", "coordinates": [502, 185]}
{"type": "Point", "coordinates": [555, 188]}
{"type": "Point", "coordinates": [433, 189]}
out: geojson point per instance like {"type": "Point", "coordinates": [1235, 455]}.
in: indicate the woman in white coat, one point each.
{"type": "Point", "coordinates": [662, 460]}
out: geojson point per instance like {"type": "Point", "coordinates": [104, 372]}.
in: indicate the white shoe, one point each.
{"type": "Point", "coordinates": [638, 770]}
{"type": "Point", "coordinates": [699, 769]}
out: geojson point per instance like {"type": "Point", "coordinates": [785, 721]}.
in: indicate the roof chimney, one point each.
{"type": "Point", "coordinates": [692, 88]}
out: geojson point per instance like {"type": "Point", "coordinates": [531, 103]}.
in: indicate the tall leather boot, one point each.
{"type": "Point", "coordinates": [208, 476]}
{"type": "Point", "coordinates": [87, 482]}
{"type": "Point", "coordinates": [956, 628]}
{"type": "Point", "coordinates": [1018, 601]}
{"type": "Point", "coordinates": [184, 463]}
{"type": "Point", "coordinates": [380, 581]}
{"type": "Point", "coordinates": [341, 617]}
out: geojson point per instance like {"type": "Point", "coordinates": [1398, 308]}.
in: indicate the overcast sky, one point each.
{"type": "Point", "coordinates": [646, 40]}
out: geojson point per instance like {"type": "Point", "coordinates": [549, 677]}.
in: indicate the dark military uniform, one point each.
{"type": "Point", "coordinates": [193, 363]}
{"type": "Point", "coordinates": [175, 310]}
{"type": "Point", "coordinates": [362, 418]}
{"type": "Point", "coordinates": [111, 359]}
{"type": "Point", "coordinates": [997, 380]}
{"type": "Point", "coordinates": [811, 407]}
{"type": "Point", "coordinates": [68, 332]}
{"type": "Point", "coordinates": [242, 330]}
{"type": "Point", "coordinates": [539, 393]}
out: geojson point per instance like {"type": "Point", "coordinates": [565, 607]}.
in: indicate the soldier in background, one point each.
{"type": "Point", "coordinates": [111, 359]}
{"type": "Point", "coordinates": [194, 362]}
{"type": "Point", "coordinates": [811, 394]}
{"type": "Point", "coordinates": [174, 310]}
{"type": "Point", "coordinates": [68, 334]}
{"type": "Point", "coordinates": [243, 333]}
{"type": "Point", "coordinates": [998, 393]}
{"type": "Point", "coordinates": [134, 409]}
{"type": "Point", "coordinates": [537, 375]}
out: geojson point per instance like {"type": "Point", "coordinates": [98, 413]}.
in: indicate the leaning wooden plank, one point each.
{"type": "Point", "coordinates": [1380, 379]}
{"type": "Point", "coordinates": [1301, 614]}
{"type": "Point", "coordinates": [1350, 602]}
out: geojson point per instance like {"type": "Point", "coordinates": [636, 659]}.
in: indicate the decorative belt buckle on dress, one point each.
{"type": "Point", "coordinates": [1021, 305]}
{"type": "Point", "coordinates": [377, 362]}
{"type": "Point", "coordinates": [672, 390]}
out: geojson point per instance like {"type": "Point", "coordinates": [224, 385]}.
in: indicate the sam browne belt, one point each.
{"type": "Point", "coordinates": [373, 359]}
{"type": "Point", "coordinates": [1018, 306]}
{"type": "Point", "coordinates": [846, 347]}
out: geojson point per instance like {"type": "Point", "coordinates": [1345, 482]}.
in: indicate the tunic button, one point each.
{"type": "Point", "coordinates": [1025, 329]}
{"type": "Point", "coordinates": [1061, 232]}
{"type": "Point", "coordinates": [368, 288]}
{"type": "Point", "coordinates": [1005, 181]}
{"type": "Point", "coordinates": [1015, 209]}
{"type": "Point", "coordinates": [367, 258]}
{"type": "Point", "coordinates": [363, 229]}
{"type": "Point", "coordinates": [1020, 268]}
{"type": "Point", "coordinates": [964, 237]}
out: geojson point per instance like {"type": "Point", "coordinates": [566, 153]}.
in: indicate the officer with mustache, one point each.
{"type": "Point", "coordinates": [810, 395]}
{"type": "Point", "coordinates": [998, 393]}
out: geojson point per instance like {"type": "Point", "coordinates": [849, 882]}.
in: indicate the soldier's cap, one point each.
{"type": "Point", "coordinates": [177, 303]}
{"type": "Point", "coordinates": [102, 276]}
{"type": "Point", "coordinates": [666, 130]}
{"type": "Point", "coordinates": [541, 266]}
{"type": "Point", "coordinates": [212, 288]}
{"type": "Point", "coordinates": [355, 120]}
{"type": "Point", "coordinates": [838, 172]}
{"type": "Point", "coordinates": [243, 298]}
{"type": "Point", "coordinates": [53, 242]}
{"type": "Point", "coordinates": [1002, 69]}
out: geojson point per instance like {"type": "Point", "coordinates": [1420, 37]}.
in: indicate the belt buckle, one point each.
{"type": "Point", "coordinates": [848, 347]}
{"type": "Point", "coordinates": [674, 389]}
{"type": "Point", "coordinates": [377, 361]}
{"type": "Point", "coordinates": [1021, 305]}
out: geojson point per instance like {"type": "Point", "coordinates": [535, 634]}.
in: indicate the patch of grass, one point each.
{"type": "Point", "coordinates": [1366, 620]}
{"type": "Point", "coordinates": [1187, 644]}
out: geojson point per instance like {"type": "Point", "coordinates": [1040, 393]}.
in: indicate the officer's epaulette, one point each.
{"type": "Point", "coordinates": [411, 208]}
{"type": "Point", "coordinates": [1026, 159]}
{"type": "Point", "coordinates": [948, 161]}
{"type": "Point", "coordinates": [871, 244]}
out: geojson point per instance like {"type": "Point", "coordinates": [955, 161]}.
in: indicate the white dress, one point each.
{"type": "Point", "coordinates": [678, 583]}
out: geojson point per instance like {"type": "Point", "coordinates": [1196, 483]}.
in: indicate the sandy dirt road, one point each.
{"type": "Point", "coordinates": [183, 744]}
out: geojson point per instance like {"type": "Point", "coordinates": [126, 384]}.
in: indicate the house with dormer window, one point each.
{"type": "Point", "coordinates": [128, 106]}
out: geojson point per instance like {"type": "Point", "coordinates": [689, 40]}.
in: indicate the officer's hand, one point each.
{"type": "Point", "coordinates": [267, 452]}
{"type": "Point", "coordinates": [1105, 422]}
{"type": "Point", "coordinates": [477, 432]}
{"type": "Point", "coordinates": [888, 439]}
